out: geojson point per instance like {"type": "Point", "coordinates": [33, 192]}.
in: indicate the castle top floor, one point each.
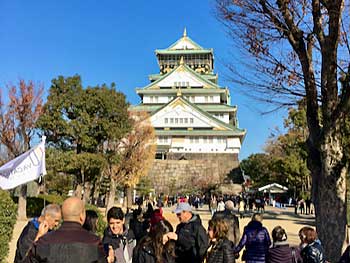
{"type": "Point", "coordinates": [196, 57]}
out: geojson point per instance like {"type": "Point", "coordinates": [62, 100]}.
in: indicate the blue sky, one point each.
{"type": "Point", "coordinates": [114, 41]}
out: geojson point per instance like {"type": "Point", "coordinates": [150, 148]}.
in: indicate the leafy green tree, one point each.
{"type": "Point", "coordinates": [82, 121]}
{"type": "Point", "coordinates": [257, 167]}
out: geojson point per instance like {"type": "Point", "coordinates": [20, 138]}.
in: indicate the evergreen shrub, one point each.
{"type": "Point", "coordinates": [8, 216]}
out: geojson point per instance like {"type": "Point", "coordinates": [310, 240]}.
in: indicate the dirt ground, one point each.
{"type": "Point", "coordinates": [272, 217]}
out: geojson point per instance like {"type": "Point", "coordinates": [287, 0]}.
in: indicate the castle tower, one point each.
{"type": "Point", "coordinates": [194, 122]}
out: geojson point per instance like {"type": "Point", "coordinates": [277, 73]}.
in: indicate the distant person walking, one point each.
{"type": "Point", "coordinates": [221, 205]}
{"type": "Point", "coordinates": [213, 205]}
{"type": "Point", "coordinates": [49, 219]}
{"type": "Point", "coordinates": [256, 241]}
{"type": "Point", "coordinates": [241, 208]}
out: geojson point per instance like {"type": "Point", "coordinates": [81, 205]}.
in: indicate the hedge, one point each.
{"type": "Point", "coordinates": [8, 216]}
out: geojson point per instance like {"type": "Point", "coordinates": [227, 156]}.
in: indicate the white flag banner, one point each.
{"type": "Point", "coordinates": [24, 168]}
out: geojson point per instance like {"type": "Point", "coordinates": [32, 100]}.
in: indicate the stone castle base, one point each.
{"type": "Point", "coordinates": [183, 172]}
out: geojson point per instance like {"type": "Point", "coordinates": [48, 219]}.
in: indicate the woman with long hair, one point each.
{"type": "Point", "coordinates": [220, 248]}
{"type": "Point", "coordinates": [91, 220]}
{"type": "Point", "coordinates": [256, 241]}
{"type": "Point", "coordinates": [156, 247]}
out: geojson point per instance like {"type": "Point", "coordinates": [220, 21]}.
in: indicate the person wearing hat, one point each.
{"type": "Point", "coordinates": [190, 236]}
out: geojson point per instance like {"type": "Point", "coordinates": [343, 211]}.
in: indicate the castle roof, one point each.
{"type": "Point", "coordinates": [185, 45]}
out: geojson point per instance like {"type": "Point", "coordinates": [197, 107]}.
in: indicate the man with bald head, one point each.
{"type": "Point", "coordinates": [70, 243]}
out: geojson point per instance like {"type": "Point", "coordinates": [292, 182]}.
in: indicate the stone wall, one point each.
{"type": "Point", "coordinates": [181, 172]}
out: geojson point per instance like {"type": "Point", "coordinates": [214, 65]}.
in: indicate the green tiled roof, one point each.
{"type": "Point", "coordinates": [236, 132]}
{"type": "Point", "coordinates": [199, 76]}
{"type": "Point", "coordinates": [186, 38]}
{"type": "Point", "coordinates": [192, 105]}
{"type": "Point", "coordinates": [183, 51]}
{"type": "Point", "coordinates": [154, 76]}
{"type": "Point", "coordinates": [184, 91]}
{"type": "Point", "coordinates": [205, 107]}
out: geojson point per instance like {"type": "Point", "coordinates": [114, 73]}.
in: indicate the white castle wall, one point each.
{"type": "Point", "coordinates": [201, 144]}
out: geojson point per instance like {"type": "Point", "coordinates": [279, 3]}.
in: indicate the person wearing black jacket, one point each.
{"type": "Point", "coordinates": [345, 257]}
{"type": "Point", "coordinates": [36, 228]}
{"type": "Point", "coordinates": [220, 248]}
{"type": "Point", "coordinates": [156, 246]}
{"type": "Point", "coordinates": [70, 243]}
{"type": "Point", "coordinates": [281, 252]}
{"type": "Point", "coordinates": [190, 236]}
{"type": "Point", "coordinates": [311, 248]}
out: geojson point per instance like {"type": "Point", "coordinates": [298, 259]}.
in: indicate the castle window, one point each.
{"type": "Point", "coordinates": [185, 120]}
{"type": "Point", "coordinates": [171, 120]}
{"type": "Point", "coordinates": [191, 120]}
{"type": "Point", "coordinates": [176, 120]}
{"type": "Point", "coordinates": [166, 120]}
{"type": "Point", "coordinates": [210, 139]}
{"type": "Point", "coordinates": [181, 120]}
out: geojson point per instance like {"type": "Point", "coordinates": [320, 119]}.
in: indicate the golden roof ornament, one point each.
{"type": "Point", "coordinates": [182, 60]}
{"type": "Point", "coordinates": [185, 32]}
{"type": "Point", "coordinates": [179, 93]}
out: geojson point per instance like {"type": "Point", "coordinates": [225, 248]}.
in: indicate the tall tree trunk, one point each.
{"type": "Point", "coordinates": [22, 202]}
{"type": "Point", "coordinates": [87, 192]}
{"type": "Point", "coordinates": [111, 195]}
{"type": "Point", "coordinates": [78, 191]}
{"type": "Point", "coordinates": [128, 197]}
{"type": "Point", "coordinates": [329, 174]}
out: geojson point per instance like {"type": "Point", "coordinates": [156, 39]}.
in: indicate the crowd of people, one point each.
{"type": "Point", "coordinates": [148, 237]}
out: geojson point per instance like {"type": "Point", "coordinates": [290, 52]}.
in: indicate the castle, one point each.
{"type": "Point", "coordinates": [198, 138]}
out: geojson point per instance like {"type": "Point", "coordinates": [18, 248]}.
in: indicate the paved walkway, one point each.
{"type": "Point", "coordinates": [17, 230]}
{"type": "Point", "coordinates": [272, 217]}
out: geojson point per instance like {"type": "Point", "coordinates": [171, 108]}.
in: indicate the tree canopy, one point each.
{"type": "Point", "coordinates": [78, 122]}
